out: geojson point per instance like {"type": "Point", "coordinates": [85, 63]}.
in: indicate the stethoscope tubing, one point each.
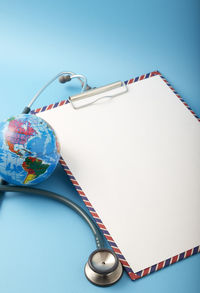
{"type": "Point", "coordinates": [100, 243]}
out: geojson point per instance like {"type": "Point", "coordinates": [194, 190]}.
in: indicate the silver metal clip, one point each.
{"type": "Point", "coordinates": [97, 91]}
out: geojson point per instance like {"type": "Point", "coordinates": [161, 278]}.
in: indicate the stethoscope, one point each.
{"type": "Point", "coordinates": [103, 267]}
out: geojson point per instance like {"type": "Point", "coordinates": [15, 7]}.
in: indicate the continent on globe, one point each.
{"type": "Point", "coordinates": [18, 133]}
{"type": "Point", "coordinates": [34, 168]}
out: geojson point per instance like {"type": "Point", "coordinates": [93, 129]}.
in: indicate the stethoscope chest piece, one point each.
{"type": "Point", "coordinates": [103, 267]}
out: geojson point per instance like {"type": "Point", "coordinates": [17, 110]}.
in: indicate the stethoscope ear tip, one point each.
{"type": "Point", "coordinates": [103, 267]}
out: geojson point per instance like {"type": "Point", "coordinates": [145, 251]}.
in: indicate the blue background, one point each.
{"type": "Point", "coordinates": [44, 246]}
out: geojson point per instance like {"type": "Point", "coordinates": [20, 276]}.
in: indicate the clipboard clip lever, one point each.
{"type": "Point", "coordinates": [97, 92]}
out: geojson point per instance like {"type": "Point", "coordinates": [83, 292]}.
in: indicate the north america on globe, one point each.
{"type": "Point", "coordinates": [18, 133]}
{"type": "Point", "coordinates": [29, 150]}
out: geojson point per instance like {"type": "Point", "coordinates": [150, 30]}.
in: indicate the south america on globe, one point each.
{"type": "Point", "coordinates": [29, 150]}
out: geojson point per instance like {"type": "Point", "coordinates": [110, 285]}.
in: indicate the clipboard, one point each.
{"type": "Point", "coordinates": [162, 216]}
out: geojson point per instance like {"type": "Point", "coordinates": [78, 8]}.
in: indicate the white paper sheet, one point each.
{"type": "Point", "coordinates": [137, 158]}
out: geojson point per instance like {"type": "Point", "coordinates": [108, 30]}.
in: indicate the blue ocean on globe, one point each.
{"type": "Point", "coordinates": [29, 150]}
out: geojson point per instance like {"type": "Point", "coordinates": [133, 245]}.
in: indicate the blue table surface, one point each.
{"type": "Point", "coordinates": [44, 245]}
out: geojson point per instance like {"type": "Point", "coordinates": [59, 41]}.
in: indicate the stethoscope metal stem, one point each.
{"type": "Point", "coordinates": [80, 77]}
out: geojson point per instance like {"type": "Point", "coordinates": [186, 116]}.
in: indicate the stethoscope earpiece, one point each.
{"type": "Point", "coordinates": [103, 267]}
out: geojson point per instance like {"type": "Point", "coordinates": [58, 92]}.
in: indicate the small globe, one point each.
{"type": "Point", "coordinates": [29, 150]}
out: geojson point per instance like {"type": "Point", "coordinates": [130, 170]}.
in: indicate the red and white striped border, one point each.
{"type": "Point", "coordinates": [97, 219]}
{"type": "Point", "coordinates": [49, 107]}
{"type": "Point", "coordinates": [179, 97]}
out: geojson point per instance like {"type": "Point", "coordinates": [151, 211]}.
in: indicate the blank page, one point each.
{"type": "Point", "coordinates": [137, 158]}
